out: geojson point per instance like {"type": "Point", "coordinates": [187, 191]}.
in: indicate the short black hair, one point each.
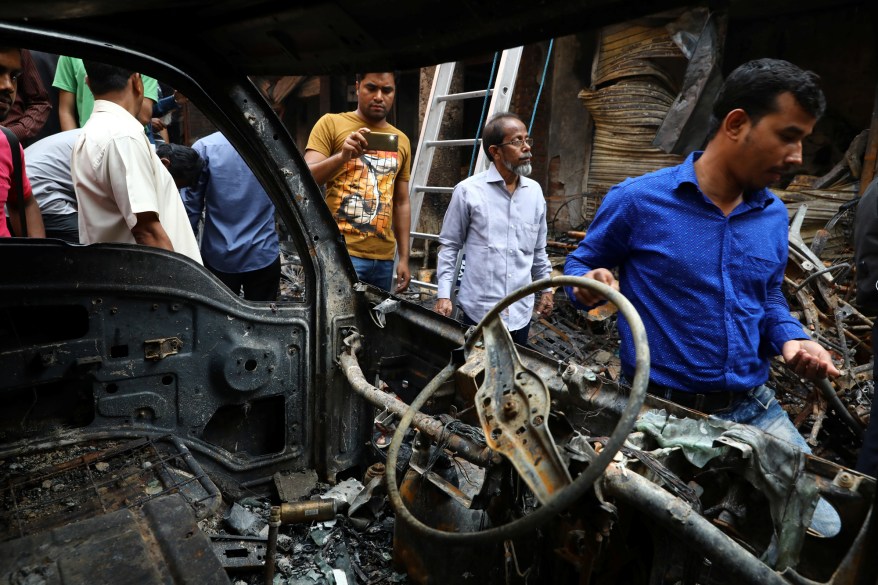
{"type": "Point", "coordinates": [360, 76]}
{"type": "Point", "coordinates": [755, 86]}
{"type": "Point", "coordinates": [495, 130]}
{"type": "Point", "coordinates": [104, 78]}
{"type": "Point", "coordinates": [186, 165]}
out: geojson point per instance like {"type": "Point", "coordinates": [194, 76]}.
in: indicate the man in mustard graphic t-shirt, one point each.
{"type": "Point", "coordinates": [367, 189]}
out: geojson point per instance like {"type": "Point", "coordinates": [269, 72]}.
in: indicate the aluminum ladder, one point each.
{"type": "Point", "coordinates": [500, 98]}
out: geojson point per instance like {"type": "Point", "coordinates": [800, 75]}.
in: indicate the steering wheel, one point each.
{"type": "Point", "coordinates": [552, 502]}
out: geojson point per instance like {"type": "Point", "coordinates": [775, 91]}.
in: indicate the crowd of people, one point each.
{"type": "Point", "coordinates": [92, 157]}
{"type": "Point", "coordinates": [707, 234]}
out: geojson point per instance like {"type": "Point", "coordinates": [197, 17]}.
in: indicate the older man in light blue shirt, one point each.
{"type": "Point", "coordinates": [498, 218]}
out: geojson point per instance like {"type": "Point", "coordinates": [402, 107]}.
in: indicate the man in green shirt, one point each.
{"type": "Point", "coordinates": [75, 100]}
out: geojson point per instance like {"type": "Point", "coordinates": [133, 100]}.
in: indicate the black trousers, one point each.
{"type": "Point", "coordinates": [63, 227]}
{"type": "Point", "coordinates": [258, 285]}
{"type": "Point", "coordinates": [519, 336]}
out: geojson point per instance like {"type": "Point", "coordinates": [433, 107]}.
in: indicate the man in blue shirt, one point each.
{"type": "Point", "coordinates": [184, 163]}
{"type": "Point", "coordinates": [239, 242]}
{"type": "Point", "coordinates": [701, 250]}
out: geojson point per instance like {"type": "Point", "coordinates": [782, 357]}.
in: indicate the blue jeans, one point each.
{"type": "Point", "coordinates": [762, 410]}
{"type": "Point", "coordinates": [375, 272]}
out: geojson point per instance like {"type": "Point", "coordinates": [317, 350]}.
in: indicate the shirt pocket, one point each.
{"type": "Point", "coordinates": [527, 237]}
{"type": "Point", "coordinates": [753, 277]}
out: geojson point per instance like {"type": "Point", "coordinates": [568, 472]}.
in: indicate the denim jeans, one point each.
{"type": "Point", "coordinates": [375, 272]}
{"type": "Point", "coordinates": [762, 410]}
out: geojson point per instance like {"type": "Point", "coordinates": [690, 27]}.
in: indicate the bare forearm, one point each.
{"type": "Point", "coordinates": [402, 219]}
{"type": "Point", "coordinates": [32, 216]}
{"type": "Point", "coordinates": [149, 232]}
{"type": "Point", "coordinates": [325, 169]}
{"type": "Point", "coordinates": [148, 238]}
{"type": "Point", "coordinates": [35, 227]}
{"type": "Point", "coordinates": [67, 110]}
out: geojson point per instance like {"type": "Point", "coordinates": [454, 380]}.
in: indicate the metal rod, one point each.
{"type": "Point", "coordinates": [271, 549]}
{"type": "Point", "coordinates": [465, 95]}
{"type": "Point", "coordinates": [681, 519]}
{"type": "Point", "coordinates": [214, 495]}
{"type": "Point", "coordinates": [435, 429]}
{"type": "Point", "coordinates": [838, 406]}
{"type": "Point", "coordinates": [432, 189]}
{"type": "Point", "coordinates": [459, 142]}
{"type": "Point", "coordinates": [813, 275]}
{"type": "Point", "coordinates": [308, 511]}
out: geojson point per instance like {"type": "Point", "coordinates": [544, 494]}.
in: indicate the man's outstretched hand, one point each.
{"type": "Point", "coordinates": [808, 359]}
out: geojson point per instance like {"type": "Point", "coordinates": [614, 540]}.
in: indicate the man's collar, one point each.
{"type": "Point", "coordinates": [686, 171]}
{"type": "Point", "coordinates": [686, 175]}
{"type": "Point", "coordinates": [494, 176]}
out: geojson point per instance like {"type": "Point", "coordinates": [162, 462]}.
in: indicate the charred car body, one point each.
{"type": "Point", "coordinates": [121, 349]}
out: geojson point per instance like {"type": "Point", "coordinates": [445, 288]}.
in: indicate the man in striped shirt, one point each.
{"type": "Point", "coordinates": [10, 72]}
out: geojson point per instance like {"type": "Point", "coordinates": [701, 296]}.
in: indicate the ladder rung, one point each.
{"type": "Point", "coordinates": [499, 97]}
{"type": "Point", "coordinates": [425, 236]}
{"type": "Point", "coordinates": [471, 142]}
{"type": "Point", "coordinates": [429, 189]}
{"type": "Point", "coordinates": [464, 95]}
{"type": "Point", "coordinates": [421, 284]}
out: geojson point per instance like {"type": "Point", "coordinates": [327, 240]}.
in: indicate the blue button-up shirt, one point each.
{"type": "Point", "coordinates": [707, 286]}
{"type": "Point", "coordinates": [503, 236]}
{"type": "Point", "coordinates": [239, 228]}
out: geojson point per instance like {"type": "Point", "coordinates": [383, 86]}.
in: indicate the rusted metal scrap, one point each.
{"type": "Point", "coordinates": [819, 284]}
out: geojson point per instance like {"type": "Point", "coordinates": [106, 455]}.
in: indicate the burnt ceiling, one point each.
{"type": "Point", "coordinates": [342, 36]}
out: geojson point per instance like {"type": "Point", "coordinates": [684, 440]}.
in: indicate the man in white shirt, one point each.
{"type": "Point", "coordinates": [498, 218]}
{"type": "Point", "coordinates": [125, 193]}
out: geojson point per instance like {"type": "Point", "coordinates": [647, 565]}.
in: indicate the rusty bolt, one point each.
{"type": "Point", "coordinates": [538, 420]}
{"type": "Point", "coordinates": [845, 480]}
{"type": "Point", "coordinates": [510, 410]}
{"type": "Point", "coordinates": [374, 470]}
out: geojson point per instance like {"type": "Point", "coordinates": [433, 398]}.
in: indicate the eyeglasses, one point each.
{"type": "Point", "coordinates": [518, 142]}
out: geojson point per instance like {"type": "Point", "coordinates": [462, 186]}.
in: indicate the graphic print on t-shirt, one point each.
{"type": "Point", "coordinates": [367, 194]}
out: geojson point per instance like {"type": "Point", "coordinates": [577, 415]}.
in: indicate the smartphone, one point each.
{"type": "Point", "coordinates": [382, 141]}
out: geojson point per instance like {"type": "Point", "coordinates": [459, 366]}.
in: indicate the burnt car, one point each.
{"type": "Point", "coordinates": [141, 396]}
